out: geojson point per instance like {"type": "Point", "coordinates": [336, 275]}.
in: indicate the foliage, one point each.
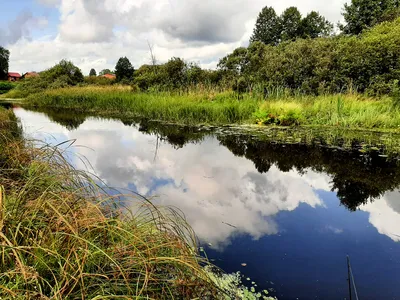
{"type": "Point", "coordinates": [272, 30]}
{"type": "Point", "coordinates": [62, 75]}
{"type": "Point", "coordinates": [4, 59]}
{"type": "Point", "coordinates": [92, 72]}
{"type": "Point", "coordinates": [362, 14]}
{"type": "Point", "coordinates": [314, 26]}
{"type": "Point", "coordinates": [290, 24]}
{"type": "Point", "coordinates": [267, 29]}
{"type": "Point", "coordinates": [6, 86]}
{"type": "Point", "coordinates": [368, 63]}
{"type": "Point", "coordinates": [124, 70]}
{"type": "Point", "coordinates": [106, 71]}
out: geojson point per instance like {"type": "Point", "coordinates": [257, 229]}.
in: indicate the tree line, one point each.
{"type": "Point", "coordinates": [289, 51]}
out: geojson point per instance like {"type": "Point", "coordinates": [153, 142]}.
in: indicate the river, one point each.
{"type": "Point", "coordinates": [285, 215]}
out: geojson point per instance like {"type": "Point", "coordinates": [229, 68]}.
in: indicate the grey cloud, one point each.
{"type": "Point", "coordinates": [207, 21]}
{"type": "Point", "coordinates": [18, 28]}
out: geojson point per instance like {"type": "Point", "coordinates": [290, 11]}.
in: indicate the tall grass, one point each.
{"type": "Point", "coordinates": [192, 108]}
{"type": "Point", "coordinates": [63, 237]}
{"type": "Point", "coordinates": [281, 108]}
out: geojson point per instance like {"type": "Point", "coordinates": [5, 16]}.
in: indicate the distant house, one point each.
{"type": "Point", "coordinates": [30, 75]}
{"type": "Point", "coordinates": [109, 76]}
{"type": "Point", "coordinates": [12, 76]}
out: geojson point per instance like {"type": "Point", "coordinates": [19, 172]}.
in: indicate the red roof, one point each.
{"type": "Point", "coordinates": [109, 76]}
{"type": "Point", "coordinates": [13, 74]}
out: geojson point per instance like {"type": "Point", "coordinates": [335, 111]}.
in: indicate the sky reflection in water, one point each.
{"type": "Point", "coordinates": [289, 227]}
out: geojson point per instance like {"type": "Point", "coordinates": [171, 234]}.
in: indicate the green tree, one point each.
{"type": "Point", "coordinates": [314, 25]}
{"type": "Point", "coordinates": [92, 72]}
{"type": "Point", "coordinates": [106, 71]}
{"type": "Point", "coordinates": [124, 69]}
{"type": "Point", "coordinates": [267, 29]}
{"type": "Point", "coordinates": [64, 71]}
{"type": "Point", "coordinates": [291, 24]}
{"type": "Point", "coordinates": [175, 72]}
{"type": "Point", "coordinates": [363, 14]}
{"type": "Point", "coordinates": [4, 59]}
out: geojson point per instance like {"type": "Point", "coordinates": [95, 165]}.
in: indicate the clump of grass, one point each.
{"type": "Point", "coordinates": [63, 237]}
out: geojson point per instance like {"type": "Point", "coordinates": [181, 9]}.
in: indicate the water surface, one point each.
{"type": "Point", "coordinates": [291, 212]}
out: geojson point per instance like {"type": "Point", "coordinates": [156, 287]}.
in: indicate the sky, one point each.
{"type": "Point", "coordinates": [95, 33]}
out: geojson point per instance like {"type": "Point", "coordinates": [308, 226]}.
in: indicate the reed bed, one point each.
{"type": "Point", "coordinates": [193, 107]}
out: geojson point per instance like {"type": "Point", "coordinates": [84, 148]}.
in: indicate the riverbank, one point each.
{"type": "Point", "coordinates": [62, 236]}
{"type": "Point", "coordinates": [353, 111]}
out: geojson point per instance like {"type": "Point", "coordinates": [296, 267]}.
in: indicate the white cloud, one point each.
{"type": "Point", "coordinates": [214, 189]}
{"type": "Point", "coordinates": [95, 33]}
{"type": "Point", "coordinates": [385, 214]}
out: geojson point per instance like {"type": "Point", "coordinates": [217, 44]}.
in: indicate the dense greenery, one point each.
{"type": "Point", "coordinates": [6, 87]}
{"type": "Point", "coordinates": [4, 59]}
{"type": "Point", "coordinates": [272, 30]}
{"type": "Point", "coordinates": [362, 14]}
{"type": "Point", "coordinates": [62, 75]}
{"type": "Point", "coordinates": [124, 70]}
{"type": "Point", "coordinates": [368, 63]}
{"type": "Point", "coordinates": [92, 72]}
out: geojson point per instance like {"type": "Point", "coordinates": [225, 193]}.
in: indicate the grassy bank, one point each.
{"type": "Point", "coordinates": [62, 237]}
{"type": "Point", "coordinates": [344, 110]}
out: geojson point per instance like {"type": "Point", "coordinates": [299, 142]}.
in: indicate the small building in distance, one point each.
{"type": "Point", "coordinates": [30, 75]}
{"type": "Point", "coordinates": [109, 76]}
{"type": "Point", "coordinates": [13, 76]}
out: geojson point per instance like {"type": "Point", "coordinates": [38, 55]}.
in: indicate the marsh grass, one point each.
{"type": "Point", "coordinates": [189, 108]}
{"type": "Point", "coordinates": [63, 237]}
{"type": "Point", "coordinates": [282, 108]}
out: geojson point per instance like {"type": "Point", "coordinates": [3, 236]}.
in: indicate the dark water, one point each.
{"type": "Point", "coordinates": [291, 212]}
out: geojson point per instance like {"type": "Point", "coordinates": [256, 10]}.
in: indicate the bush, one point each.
{"type": "Point", "coordinates": [6, 86]}
{"type": "Point", "coordinates": [368, 63]}
{"type": "Point", "coordinates": [62, 75]}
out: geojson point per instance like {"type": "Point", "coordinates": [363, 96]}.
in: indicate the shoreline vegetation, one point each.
{"type": "Point", "coordinates": [62, 236]}
{"type": "Point", "coordinates": [345, 81]}
{"type": "Point", "coordinates": [353, 111]}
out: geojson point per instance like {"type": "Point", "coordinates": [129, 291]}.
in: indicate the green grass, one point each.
{"type": "Point", "coordinates": [344, 110]}
{"type": "Point", "coordinates": [63, 237]}
{"type": "Point", "coordinates": [191, 109]}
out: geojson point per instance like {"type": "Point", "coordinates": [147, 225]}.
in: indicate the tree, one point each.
{"type": "Point", "coordinates": [267, 29]}
{"type": "Point", "coordinates": [92, 72]}
{"type": "Point", "coordinates": [106, 71]}
{"type": "Point", "coordinates": [290, 24]}
{"type": "Point", "coordinates": [64, 71]}
{"type": "Point", "coordinates": [124, 69]}
{"type": "Point", "coordinates": [314, 25]}
{"type": "Point", "coordinates": [4, 59]}
{"type": "Point", "coordinates": [175, 72]}
{"type": "Point", "coordinates": [363, 14]}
